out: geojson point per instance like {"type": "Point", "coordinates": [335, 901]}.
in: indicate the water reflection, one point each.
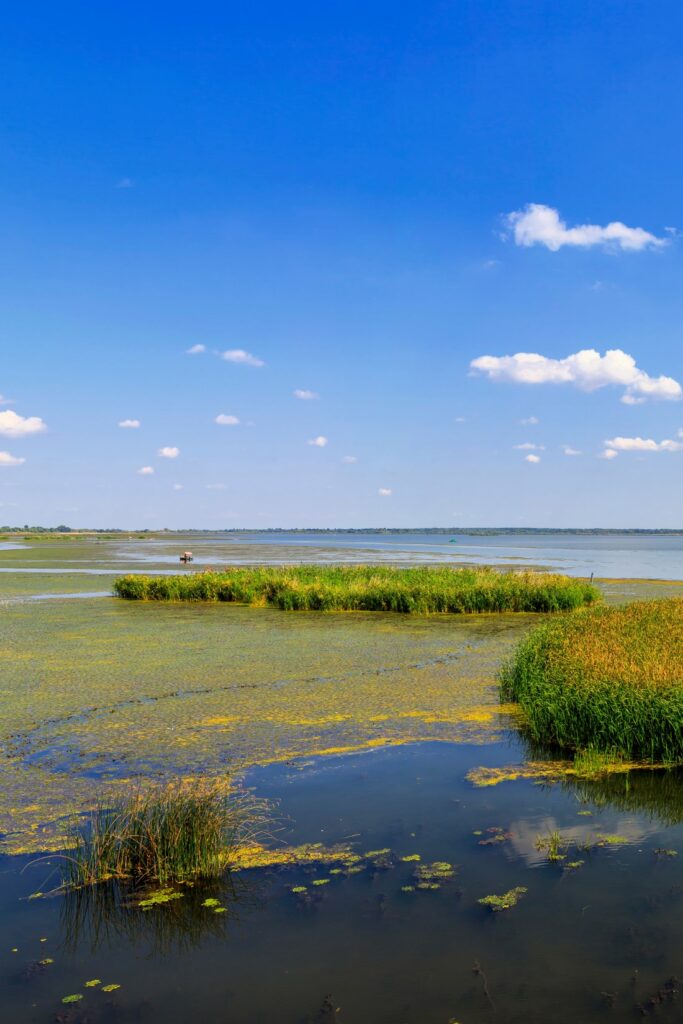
{"type": "Point", "coordinates": [106, 915]}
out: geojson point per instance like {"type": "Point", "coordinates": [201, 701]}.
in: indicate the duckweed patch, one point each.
{"type": "Point", "coordinates": [508, 899]}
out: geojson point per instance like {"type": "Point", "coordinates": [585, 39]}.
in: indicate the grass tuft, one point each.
{"type": "Point", "coordinates": [420, 590]}
{"type": "Point", "coordinates": [171, 833]}
{"type": "Point", "coordinates": [606, 681]}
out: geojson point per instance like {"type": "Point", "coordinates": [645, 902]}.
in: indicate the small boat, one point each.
{"type": "Point", "coordinates": [187, 556]}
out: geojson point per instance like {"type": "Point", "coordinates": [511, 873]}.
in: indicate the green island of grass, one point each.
{"type": "Point", "coordinates": [420, 590]}
{"type": "Point", "coordinates": [605, 679]}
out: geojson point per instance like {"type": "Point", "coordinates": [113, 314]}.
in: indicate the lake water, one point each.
{"type": "Point", "coordinates": [363, 729]}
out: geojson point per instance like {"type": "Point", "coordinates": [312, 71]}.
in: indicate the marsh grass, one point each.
{"type": "Point", "coordinates": [606, 681]}
{"type": "Point", "coordinates": [419, 590]}
{"type": "Point", "coordinates": [172, 833]}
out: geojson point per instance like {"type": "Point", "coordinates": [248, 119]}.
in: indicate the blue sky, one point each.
{"type": "Point", "coordinates": [329, 188]}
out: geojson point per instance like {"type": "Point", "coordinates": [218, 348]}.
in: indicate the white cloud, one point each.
{"type": "Point", "coordinates": [195, 350]}
{"type": "Point", "coordinates": [145, 471]}
{"type": "Point", "coordinates": [225, 420]}
{"type": "Point", "coordinates": [568, 450]}
{"type": "Point", "coordinates": [12, 425]}
{"type": "Point", "coordinates": [238, 355]}
{"type": "Point", "coordinates": [349, 459]}
{"type": "Point", "coordinates": [529, 446]}
{"type": "Point", "coordinates": [385, 492]}
{"type": "Point", "coordinates": [532, 458]}
{"type": "Point", "coordinates": [177, 487]}
{"type": "Point", "coordinates": [318, 442]}
{"type": "Point", "coordinates": [169, 452]}
{"type": "Point", "coordinates": [129, 424]}
{"type": "Point", "coordinates": [304, 395]}
{"type": "Point", "coordinates": [587, 370]}
{"type": "Point", "coordinates": [10, 460]}
{"type": "Point", "coordinates": [642, 444]}
{"type": "Point", "coordinates": [530, 421]}
{"type": "Point", "coordinates": [5, 401]}
{"type": "Point", "coordinates": [609, 453]}
{"type": "Point", "coordinates": [537, 224]}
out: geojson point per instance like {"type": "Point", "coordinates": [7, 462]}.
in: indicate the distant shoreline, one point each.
{"type": "Point", "coordinates": [451, 531]}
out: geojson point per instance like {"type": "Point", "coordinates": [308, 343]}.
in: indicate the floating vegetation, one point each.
{"type": "Point", "coordinates": [75, 998]}
{"type": "Point", "coordinates": [411, 857]}
{"type": "Point", "coordinates": [430, 876]}
{"type": "Point", "coordinates": [508, 900]}
{"type": "Point", "coordinates": [46, 961]}
{"type": "Point", "coordinates": [420, 590]}
{"type": "Point", "coordinates": [607, 680]}
{"type": "Point", "coordinates": [170, 833]}
{"type": "Point", "coordinates": [211, 901]}
{"type": "Point", "coordinates": [320, 881]}
{"type": "Point", "coordinates": [573, 865]}
{"type": "Point", "coordinates": [93, 983]}
{"type": "Point", "coordinates": [552, 845]}
{"type": "Point", "coordinates": [372, 854]}
{"type": "Point", "coordinates": [661, 852]}
{"type": "Point", "coordinates": [159, 898]}
{"type": "Point", "coordinates": [496, 835]}
{"type": "Point", "coordinates": [110, 988]}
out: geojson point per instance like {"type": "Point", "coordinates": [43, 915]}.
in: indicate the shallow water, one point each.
{"type": "Point", "coordinates": [97, 693]}
{"type": "Point", "coordinates": [578, 941]}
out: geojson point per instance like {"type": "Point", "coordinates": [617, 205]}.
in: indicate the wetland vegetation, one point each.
{"type": "Point", "coordinates": [606, 680]}
{"type": "Point", "coordinates": [420, 590]}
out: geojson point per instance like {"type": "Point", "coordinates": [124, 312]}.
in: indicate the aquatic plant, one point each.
{"type": "Point", "coordinates": [605, 680]}
{"type": "Point", "coordinates": [164, 834]}
{"type": "Point", "coordinates": [553, 846]}
{"type": "Point", "coordinates": [430, 876]}
{"type": "Point", "coordinates": [420, 589]}
{"type": "Point", "coordinates": [509, 899]}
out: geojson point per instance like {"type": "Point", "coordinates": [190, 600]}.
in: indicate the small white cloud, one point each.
{"type": "Point", "coordinates": [145, 471]}
{"type": "Point", "coordinates": [304, 395]}
{"type": "Point", "coordinates": [587, 370]}
{"type": "Point", "coordinates": [568, 450]}
{"type": "Point", "coordinates": [177, 487]}
{"type": "Point", "coordinates": [195, 350]}
{"type": "Point", "coordinates": [629, 399]}
{"type": "Point", "coordinates": [129, 424]}
{"type": "Point", "coordinates": [318, 442]}
{"type": "Point", "coordinates": [10, 460]}
{"type": "Point", "coordinates": [642, 444]}
{"type": "Point", "coordinates": [169, 452]}
{"type": "Point", "coordinates": [609, 453]}
{"type": "Point", "coordinates": [12, 425]}
{"type": "Point", "coordinates": [532, 458]}
{"type": "Point", "coordinates": [125, 183]}
{"type": "Point", "coordinates": [385, 492]}
{"type": "Point", "coordinates": [529, 446]}
{"type": "Point", "coordinates": [537, 224]}
{"type": "Point", "coordinates": [238, 355]}
{"type": "Point", "coordinates": [225, 420]}
{"type": "Point", "coordinates": [5, 401]}
{"type": "Point", "coordinates": [349, 459]}
{"type": "Point", "coordinates": [530, 421]}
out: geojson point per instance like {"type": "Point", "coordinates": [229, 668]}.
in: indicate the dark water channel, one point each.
{"type": "Point", "coordinates": [600, 941]}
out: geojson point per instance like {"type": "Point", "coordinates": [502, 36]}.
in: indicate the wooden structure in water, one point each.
{"type": "Point", "coordinates": [186, 557]}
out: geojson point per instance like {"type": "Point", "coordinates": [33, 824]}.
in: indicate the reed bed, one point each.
{"type": "Point", "coordinates": [171, 833]}
{"type": "Point", "coordinates": [420, 590]}
{"type": "Point", "coordinates": [606, 679]}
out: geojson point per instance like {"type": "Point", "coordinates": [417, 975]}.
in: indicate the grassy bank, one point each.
{"type": "Point", "coordinates": [610, 679]}
{"type": "Point", "coordinates": [368, 588]}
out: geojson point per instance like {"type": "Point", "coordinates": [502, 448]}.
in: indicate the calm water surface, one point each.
{"type": "Point", "coordinates": [598, 942]}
